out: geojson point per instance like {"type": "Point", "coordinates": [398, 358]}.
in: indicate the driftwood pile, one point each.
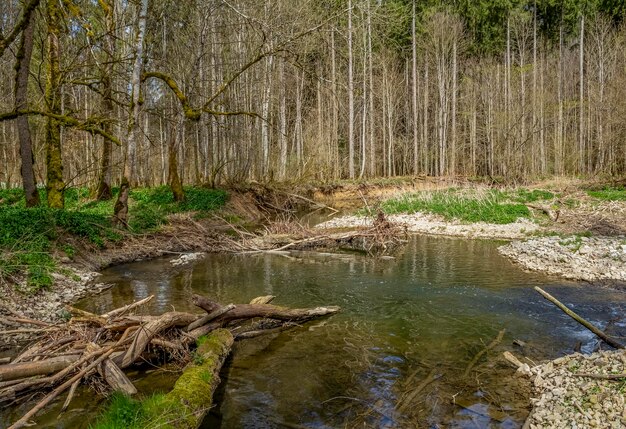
{"type": "Point", "coordinates": [381, 238]}
{"type": "Point", "coordinates": [96, 349]}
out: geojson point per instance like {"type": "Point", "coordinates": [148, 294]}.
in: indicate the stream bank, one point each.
{"type": "Point", "coordinates": [183, 234]}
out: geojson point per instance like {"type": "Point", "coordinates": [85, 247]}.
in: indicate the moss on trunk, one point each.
{"type": "Point", "coordinates": [185, 406]}
{"type": "Point", "coordinates": [54, 163]}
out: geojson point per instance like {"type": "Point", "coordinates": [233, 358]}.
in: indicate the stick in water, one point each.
{"type": "Point", "coordinates": [610, 341]}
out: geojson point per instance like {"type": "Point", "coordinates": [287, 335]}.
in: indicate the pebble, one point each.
{"type": "Point", "coordinates": [564, 400]}
{"type": "Point", "coordinates": [596, 259]}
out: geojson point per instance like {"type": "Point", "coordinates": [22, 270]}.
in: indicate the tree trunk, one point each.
{"type": "Point", "coordinates": [350, 95]}
{"type": "Point", "coordinates": [581, 99]}
{"type": "Point", "coordinates": [22, 70]}
{"type": "Point", "coordinates": [173, 176]}
{"type": "Point", "coordinates": [121, 206]}
{"type": "Point", "coordinates": [104, 180]}
{"type": "Point", "coordinates": [55, 186]}
{"type": "Point", "coordinates": [414, 92]}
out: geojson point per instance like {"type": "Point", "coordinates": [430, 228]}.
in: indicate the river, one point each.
{"type": "Point", "coordinates": [428, 310]}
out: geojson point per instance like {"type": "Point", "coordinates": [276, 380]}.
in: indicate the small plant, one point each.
{"type": "Point", "coordinates": [28, 235]}
{"type": "Point", "coordinates": [69, 250]}
{"type": "Point", "coordinates": [609, 193]}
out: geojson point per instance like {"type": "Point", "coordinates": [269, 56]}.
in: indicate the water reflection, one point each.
{"type": "Point", "coordinates": [431, 309]}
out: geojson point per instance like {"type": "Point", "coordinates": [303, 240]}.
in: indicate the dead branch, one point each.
{"type": "Point", "coordinates": [610, 341]}
{"type": "Point", "coordinates": [480, 354]}
{"type": "Point", "coordinates": [95, 349]}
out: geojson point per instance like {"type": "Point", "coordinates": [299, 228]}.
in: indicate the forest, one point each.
{"type": "Point", "coordinates": [427, 189]}
{"type": "Point", "coordinates": [210, 92]}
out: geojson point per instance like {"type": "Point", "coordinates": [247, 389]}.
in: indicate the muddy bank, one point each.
{"type": "Point", "coordinates": [575, 257]}
{"type": "Point", "coordinates": [574, 391]}
{"type": "Point", "coordinates": [424, 223]}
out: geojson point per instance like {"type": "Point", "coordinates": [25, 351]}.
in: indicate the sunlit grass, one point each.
{"type": "Point", "coordinates": [609, 194]}
{"type": "Point", "coordinates": [469, 205]}
{"type": "Point", "coordinates": [29, 236]}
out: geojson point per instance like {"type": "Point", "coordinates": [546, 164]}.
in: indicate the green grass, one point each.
{"type": "Point", "coordinates": [493, 206]}
{"type": "Point", "coordinates": [609, 194]}
{"type": "Point", "coordinates": [124, 412]}
{"type": "Point", "coordinates": [29, 236]}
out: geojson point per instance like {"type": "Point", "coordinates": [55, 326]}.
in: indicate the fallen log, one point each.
{"type": "Point", "coordinates": [211, 316]}
{"type": "Point", "coordinates": [192, 396]}
{"type": "Point", "coordinates": [100, 347]}
{"type": "Point", "coordinates": [56, 392]}
{"type": "Point", "coordinates": [17, 371]}
{"type": "Point", "coordinates": [610, 341]}
{"type": "Point", "coordinates": [249, 311]}
{"type": "Point", "coordinates": [149, 330]}
{"type": "Point", "coordinates": [553, 215]}
{"type": "Point", "coordinates": [126, 308]}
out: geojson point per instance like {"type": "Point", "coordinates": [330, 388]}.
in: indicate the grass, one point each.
{"type": "Point", "coordinates": [30, 236]}
{"type": "Point", "coordinates": [493, 206]}
{"type": "Point", "coordinates": [124, 412]}
{"type": "Point", "coordinates": [609, 194]}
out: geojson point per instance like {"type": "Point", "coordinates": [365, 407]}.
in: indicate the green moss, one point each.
{"type": "Point", "coordinates": [185, 405]}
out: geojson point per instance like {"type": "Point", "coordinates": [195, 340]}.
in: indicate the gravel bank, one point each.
{"type": "Point", "coordinates": [565, 400]}
{"type": "Point", "coordinates": [578, 258]}
{"type": "Point", "coordinates": [424, 223]}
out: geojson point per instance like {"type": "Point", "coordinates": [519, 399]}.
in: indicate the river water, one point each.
{"type": "Point", "coordinates": [427, 311]}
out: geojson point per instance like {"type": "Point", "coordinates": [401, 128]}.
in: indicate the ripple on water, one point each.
{"type": "Point", "coordinates": [433, 307]}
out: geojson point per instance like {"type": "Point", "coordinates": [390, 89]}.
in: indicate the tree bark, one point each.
{"type": "Point", "coordinates": [174, 181]}
{"type": "Point", "coordinates": [30, 369]}
{"type": "Point", "coordinates": [55, 186]}
{"type": "Point", "coordinates": [22, 70]}
{"type": "Point", "coordinates": [104, 181]}
{"type": "Point", "coordinates": [121, 205]}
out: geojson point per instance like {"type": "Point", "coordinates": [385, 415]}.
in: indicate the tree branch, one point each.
{"type": "Point", "coordinates": [91, 125]}
{"type": "Point", "coordinates": [29, 8]}
{"type": "Point", "coordinates": [190, 112]}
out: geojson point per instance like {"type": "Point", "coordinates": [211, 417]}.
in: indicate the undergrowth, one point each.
{"type": "Point", "coordinates": [124, 412]}
{"type": "Point", "coordinates": [492, 206]}
{"type": "Point", "coordinates": [609, 194]}
{"type": "Point", "coordinates": [30, 236]}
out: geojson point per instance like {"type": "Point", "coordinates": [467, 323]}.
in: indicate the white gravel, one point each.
{"type": "Point", "coordinates": [425, 223]}
{"type": "Point", "coordinates": [563, 400]}
{"type": "Point", "coordinates": [578, 258]}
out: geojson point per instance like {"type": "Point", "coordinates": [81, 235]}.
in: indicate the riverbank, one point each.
{"type": "Point", "coordinates": [51, 258]}
{"type": "Point", "coordinates": [577, 391]}
{"type": "Point", "coordinates": [562, 231]}
{"type": "Point", "coordinates": [574, 257]}
{"type": "Point", "coordinates": [570, 233]}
